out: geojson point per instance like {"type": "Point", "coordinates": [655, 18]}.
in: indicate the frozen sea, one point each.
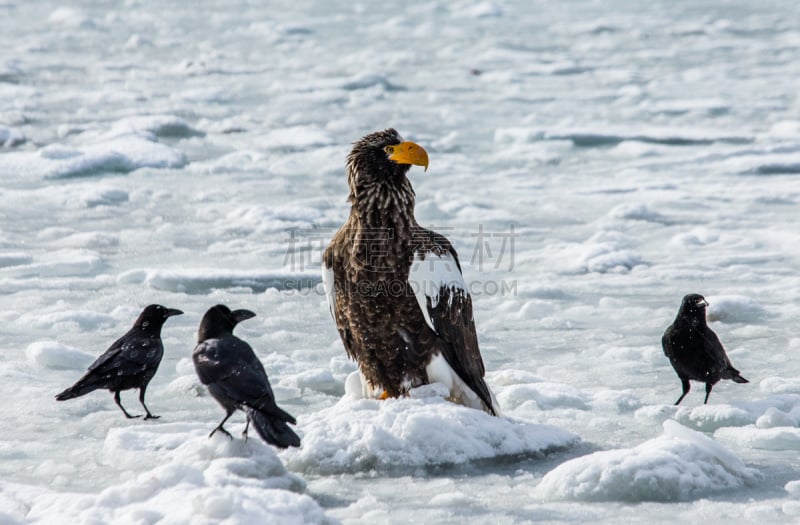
{"type": "Point", "coordinates": [591, 161]}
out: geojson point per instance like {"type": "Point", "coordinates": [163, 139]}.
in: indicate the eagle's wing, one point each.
{"type": "Point", "coordinates": [443, 296]}
{"type": "Point", "coordinates": [330, 288]}
{"type": "Point", "coordinates": [337, 309]}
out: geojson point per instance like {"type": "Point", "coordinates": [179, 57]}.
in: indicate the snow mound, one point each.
{"type": "Point", "coordinates": [11, 71]}
{"type": "Point", "coordinates": [188, 478]}
{"type": "Point", "coordinates": [774, 417]}
{"type": "Point", "coordinates": [483, 10]}
{"type": "Point", "coordinates": [669, 136]}
{"type": "Point", "coordinates": [775, 438]}
{"type": "Point", "coordinates": [204, 280]}
{"type": "Point", "coordinates": [734, 309]}
{"type": "Point", "coordinates": [681, 464]}
{"type": "Point", "coordinates": [54, 355]}
{"type": "Point", "coordinates": [61, 263]}
{"type": "Point", "coordinates": [69, 17]}
{"type": "Point", "coordinates": [84, 320]}
{"type": "Point", "coordinates": [10, 137]}
{"type": "Point", "coordinates": [122, 154]}
{"type": "Point", "coordinates": [780, 385]}
{"type": "Point", "coordinates": [87, 240]}
{"type": "Point", "coordinates": [598, 256]}
{"type": "Point", "coordinates": [318, 379]}
{"type": "Point", "coordinates": [763, 163]}
{"type": "Point", "coordinates": [613, 135]}
{"type": "Point", "coordinates": [408, 433]}
{"type": "Point", "coordinates": [158, 125]}
{"type": "Point", "coordinates": [708, 418]}
{"type": "Point", "coordinates": [695, 237]}
{"type": "Point", "coordinates": [368, 80]}
{"type": "Point", "coordinates": [267, 219]}
{"type": "Point", "coordinates": [14, 259]}
{"type": "Point", "coordinates": [793, 488]}
{"type": "Point", "coordinates": [104, 197]}
{"type": "Point", "coordinates": [619, 400]}
{"type": "Point", "coordinates": [637, 212]}
{"type": "Point", "coordinates": [297, 137]}
{"type": "Point", "coordinates": [785, 129]}
{"type": "Point", "coordinates": [548, 396]}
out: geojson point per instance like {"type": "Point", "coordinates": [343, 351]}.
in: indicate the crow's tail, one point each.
{"type": "Point", "coordinates": [83, 386]}
{"type": "Point", "coordinates": [274, 431]}
{"type": "Point", "coordinates": [734, 375]}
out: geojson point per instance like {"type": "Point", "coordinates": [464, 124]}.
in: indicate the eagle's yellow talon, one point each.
{"type": "Point", "coordinates": [385, 395]}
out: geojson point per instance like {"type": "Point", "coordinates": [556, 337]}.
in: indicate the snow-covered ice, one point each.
{"type": "Point", "coordinates": [680, 464]}
{"type": "Point", "coordinates": [592, 162]}
{"type": "Point", "coordinates": [406, 434]}
{"type": "Point", "coordinates": [184, 478]}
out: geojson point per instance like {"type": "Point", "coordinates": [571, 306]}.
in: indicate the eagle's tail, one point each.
{"type": "Point", "coordinates": [274, 430]}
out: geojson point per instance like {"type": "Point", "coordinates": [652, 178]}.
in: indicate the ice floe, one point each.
{"type": "Point", "coordinates": [681, 464]}
{"type": "Point", "coordinates": [597, 135]}
{"type": "Point", "coordinates": [205, 280]}
{"type": "Point", "coordinates": [416, 432]}
{"type": "Point", "coordinates": [10, 137]}
{"type": "Point", "coordinates": [753, 437]}
{"type": "Point", "coordinates": [54, 355]}
{"type": "Point", "coordinates": [158, 125]}
{"type": "Point", "coordinates": [119, 155]}
{"type": "Point", "coordinates": [183, 477]}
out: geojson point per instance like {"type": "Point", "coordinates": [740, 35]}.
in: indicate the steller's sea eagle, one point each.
{"type": "Point", "coordinates": [395, 289]}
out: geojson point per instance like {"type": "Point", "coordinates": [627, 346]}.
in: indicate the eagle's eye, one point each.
{"type": "Point", "coordinates": [389, 149]}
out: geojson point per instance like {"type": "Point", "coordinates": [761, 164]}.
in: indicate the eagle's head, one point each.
{"type": "Point", "coordinates": [382, 158]}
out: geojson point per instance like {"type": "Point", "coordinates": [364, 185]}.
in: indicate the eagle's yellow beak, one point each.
{"type": "Point", "coordinates": [408, 153]}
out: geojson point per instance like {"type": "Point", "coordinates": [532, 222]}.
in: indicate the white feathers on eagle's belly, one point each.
{"type": "Point", "coordinates": [395, 289]}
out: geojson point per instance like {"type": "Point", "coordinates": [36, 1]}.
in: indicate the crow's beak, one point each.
{"type": "Point", "coordinates": [242, 315]}
{"type": "Point", "coordinates": [173, 311]}
{"type": "Point", "coordinates": [702, 303]}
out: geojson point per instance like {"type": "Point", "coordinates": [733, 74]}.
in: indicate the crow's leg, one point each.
{"type": "Point", "coordinates": [686, 386]}
{"type": "Point", "coordinates": [709, 386]}
{"type": "Point", "coordinates": [119, 404]}
{"type": "Point", "coordinates": [221, 428]}
{"type": "Point", "coordinates": [141, 400]}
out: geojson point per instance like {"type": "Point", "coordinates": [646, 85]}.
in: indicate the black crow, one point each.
{"type": "Point", "coordinates": [694, 349]}
{"type": "Point", "coordinates": [236, 378]}
{"type": "Point", "coordinates": [131, 362]}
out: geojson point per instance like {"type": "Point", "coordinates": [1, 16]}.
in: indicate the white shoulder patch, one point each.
{"type": "Point", "coordinates": [432, 274]}
{"type": "Point", "coordinates": [330, 289]}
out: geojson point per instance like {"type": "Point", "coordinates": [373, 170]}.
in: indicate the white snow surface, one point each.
{"type": "Point", "coordinates": [424, 430]}
{"type": "Point", "coordinates": [10, 137]}
{"type": "Point", "coordinates": [591, 162]}
{"type": "Point", "coordinates": [215, 480]}
{"type": "Point", "coordinates": [680, 464]}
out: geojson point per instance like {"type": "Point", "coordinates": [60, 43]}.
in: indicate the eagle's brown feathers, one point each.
{"type": "Point", "coordinates": [376, 310]}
